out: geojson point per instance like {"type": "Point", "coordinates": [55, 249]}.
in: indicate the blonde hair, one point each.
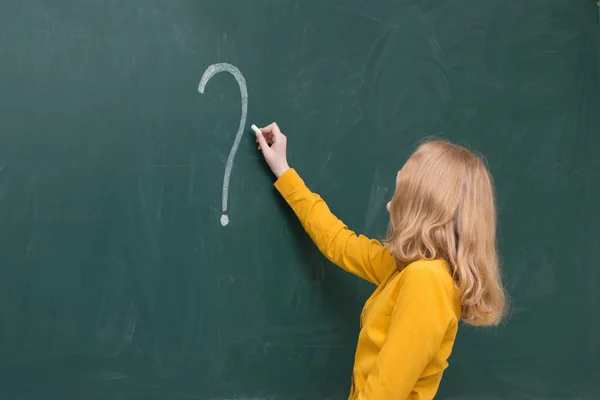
{"type": "Point", "coordinates": [444, 207]}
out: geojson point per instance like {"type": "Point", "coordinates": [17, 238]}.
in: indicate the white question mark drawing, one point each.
{"type": "Point", "coordinates": [233, 70]}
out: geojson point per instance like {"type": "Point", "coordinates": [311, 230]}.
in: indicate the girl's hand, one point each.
{"type": "Point", "coordinates": [273, 145]}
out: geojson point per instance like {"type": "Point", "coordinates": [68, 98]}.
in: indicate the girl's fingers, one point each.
{"type": "Point", "coordinates": [261, 140]}
{"type": "Point", "coordinates": [271, 129]}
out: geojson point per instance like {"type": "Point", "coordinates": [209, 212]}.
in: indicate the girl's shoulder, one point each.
{"type": "Point", "coordinates": [422, 275]}
{"type": "Point", "coordinates": [424, 268]}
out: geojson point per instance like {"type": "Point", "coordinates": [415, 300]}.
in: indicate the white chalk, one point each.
{"type": "Point", "coordinates": [255, 129]}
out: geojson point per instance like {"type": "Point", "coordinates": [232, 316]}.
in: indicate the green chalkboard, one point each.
{"type": "Point", "coordinates": [118, 279]}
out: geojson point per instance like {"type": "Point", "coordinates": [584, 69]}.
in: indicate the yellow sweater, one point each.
{"type": "Point", "coordinates": [408, 325]}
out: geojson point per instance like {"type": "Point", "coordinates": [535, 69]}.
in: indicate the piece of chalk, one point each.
{"type": "Point", "coordinates": [255, 128]}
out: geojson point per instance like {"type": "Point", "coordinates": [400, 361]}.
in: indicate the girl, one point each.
{"type": "Point", "coordinates": [438, 264]}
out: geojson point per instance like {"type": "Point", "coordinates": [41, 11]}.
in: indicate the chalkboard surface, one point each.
{"type": "Point", "coordinates": [118, 279]}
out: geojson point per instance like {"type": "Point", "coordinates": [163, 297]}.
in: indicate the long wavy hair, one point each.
{"type": "Point", "coordinates": [444, 207]}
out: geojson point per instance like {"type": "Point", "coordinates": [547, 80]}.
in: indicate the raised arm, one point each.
{"type": "Point", "coordinates": [364, 257]}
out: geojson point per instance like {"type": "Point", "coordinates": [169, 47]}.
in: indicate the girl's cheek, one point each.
{"type": "Point", "coordinates": [387, 206]}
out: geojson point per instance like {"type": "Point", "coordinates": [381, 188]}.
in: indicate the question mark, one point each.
{"type": "Point", "coordinates": [209, 73]}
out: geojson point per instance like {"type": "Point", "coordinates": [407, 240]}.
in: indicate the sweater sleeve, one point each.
{"type": "Point", "coordinates": [364, 257]}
